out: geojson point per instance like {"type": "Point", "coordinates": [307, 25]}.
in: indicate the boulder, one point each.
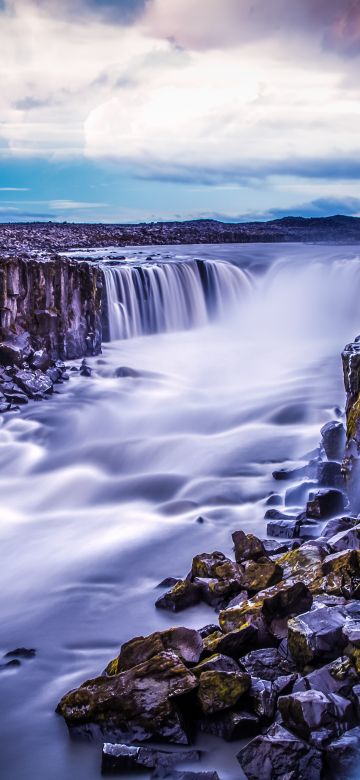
{"type": "Point", "coordinates": [309, 711]}
{"type": "Point", "coordinates": [185, 642]}
{"type": "Point", "coordinates": [326, 503]}
{"type": "Point", "coordinates": [339, 677]}
{"type": "Point", "coordinates": [116, 758]}
{"type": "Point", "coordinates": [275, 547]}
{"type": "Point", "coordinates": [267, 664]}
{"type": "Point", "coordinates": [139, 704]}
{"type": "Point", "coordinates": [263, 694]}
{"type": "Point", "coordinates": [316, 635]}
{"type": "Point", "coordinates": [220, 690]}
{"type": "Point", "coordinates": [215, 565]}
{"type": "Point", "coordinates": [34, 383]}
{"type": "Point", "coordinates": [281, 601]}
{"type": "Point", "coordinates": [329, 474]}
{"type": "Point", "coordinates": [284, 529]}
{"type": "Point", "coordinates": [233, 643]}
{"type": "Point", "coordinates": [302, 564]}
{"type": "Point", "coordinates": [279, 754]}
{"type": "Point", "coordinates": [338, 524]}
{"type": "Point", "coordinates": [333, 440]}
{"type": "Point", "coordinates": [217, 592]}
{"type": "Point", "coordinates": [181, 596]}
{"type": "Point", "coordinates": [261, 574]}
{"type": "Point", "coordinates": [216, 663]}
{"type": "Point", "coordinates": [345, 540]}
{"type": "Point", "coordinates": [342, 755]}
{"type": "Point", "coordinates": [230, 725]}
{"type": "Point", "coordinates": [247, 547]}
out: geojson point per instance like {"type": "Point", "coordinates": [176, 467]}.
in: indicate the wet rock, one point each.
{"type": "Point", "coordinates": [215, 565]}
{"type": "Point", "coordinates": [351, 631]}
{"type": "Point", "coordinates": [247, 547]}
{"type": "Point", "coordinates": [21, 652]}
{"type": "Point", "coordinates": [345, 540]}
{"type": "Point", "coordinates": [274, 499]}
{"type": "Point", "coordinates": [85, 370]}
{"type": "Point", "coordinates": [34, 383]}
{"type": "Point", "coordinates": [274, 547]}
{"type": "Point", "coordinates": [263, 694]}
{"type": "Point", "coordinates": [13, 664]}
{"type": "Point", "coordinates": [116, 758]}
{"type": "Point", "coordinates": [169, 582]}
{"type": "Point", "coordinates": [185, 775]}
{"type": "Point", "coordinates": [125, 371]}
{"type": "Point", "coordinates": [316, 635]}
{"type": "Point", "coordinates": [261, 574]}
{"type": "Point", "coordinates": [279, 754]}
{"type": "Point", "coordinates": [181, 596]}
{"type": "Point", "coordinates": [344, 562]}
{"type": "Point", "coordinates": [302, 564]}
{"type": "Point", "coordinates": [284, 529]}
{"type": "Point", "coordinates": [339, 677]}
{"type": "Point", "coordinates": [333, 440]}
{"type": "Point", "coordinates": [342, 755]}
{"type": "Point", "coordinates": [281, 600]}
{"type": "Point", "coordinates": [15, 350]}
{"type": "Point", "coordinates": [185, 642]}
{"type": "Point", "coordinates": [15, 396]}
{"type": "Point", "coordinates": [139, 704]}
{"type": "Point", "coordinates": [233, 643]}
{"type": "Point", "coordinates": [329, 474]}
{"type": "Point", "coordinates": [338, 524]}
{"type": "Point", "coordinates": [205, 631]}
{"type": "Point", "coordinates": [216, 663]}
{"type": "Point", "coordinates": [309, 711]}
{"type": "Point", "coordinates": [216, 592]}
{"type": "Point", "coordinates": [267, 664]}
{"type": "Point", "coordinates": [276, 514]}
{"type": "Point", "coordinates": [326, 503]}
{"type": "Point", "coordinates": [287, 474]}
{"type": "Point", "coordinates": [230, 725]}
{"type": "Point", "coordinates": [220, 690]}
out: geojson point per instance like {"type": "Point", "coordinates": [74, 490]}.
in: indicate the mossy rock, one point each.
{"type": "Point", "coordinates": [220, 690]}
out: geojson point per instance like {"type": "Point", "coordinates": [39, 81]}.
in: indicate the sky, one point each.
{"type": "Point", "coordinates": [143, 110]}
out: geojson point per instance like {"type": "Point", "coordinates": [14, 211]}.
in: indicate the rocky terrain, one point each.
{"type": "Point", "coordinates": [281, 661]}
{"type": "Point", "coordinates": [51, 237]}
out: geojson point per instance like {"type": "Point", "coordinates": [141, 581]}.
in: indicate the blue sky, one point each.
{"type": "Point", "coordinates": [131, 110]}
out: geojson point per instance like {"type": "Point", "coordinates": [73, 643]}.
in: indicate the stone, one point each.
{"type": "Point", "coordinates": [85, 370]}
{"type": "Point", "coordinates": [168, 582]}
{"type": "Point", "coordinates": [21, 652]}
{"type": "Point", "coordinates": [351, 631]}
{"type": "Point", "coordinates": [267, 664]}
{"type": "Point", "coordinates": [302, 564]}
{"type": "Point", "coordinates": [233, 643]}
{"type": "Point", "coordinates": [278, 754]}
{"type": "Point", "coordinates": [333, 439]}
{"type": "Point", "coordinates": [345, 540]}
{"type": "Point", "coordinates": [261, 574]}
{"type": "Point", "coordinates": [116, 758]}
{"type": "Point", "coordinates": [34, 383]}
{"type": "Point", "coordinates": [343, 562]}
{"type": "Point", "coordinates": [215, 565]}
{"type": "Point", "coordinates": [181, 596]}
{"type": "Point", "coordinates": [338, 524]}
{"type": "Point", "coordinates": [247, 547]}
{"type": "Point", "coordinates": [205, 631]}
{"type": "Point", "coordinates": [263, 694]}
{"type": "Point", "coordinates": [342, 755]}
{"type": "Point", "coordinates": [316, 635]}
{"type": "Point", "coordinates": [275, 547]}
{"type": "Point", "coordinates": [15, 350]}
{"type": "Point", "coordinates": [220, 690]}
{"type": "Point", "coordinates": [339, 677]}
{"type": "Point", "coordinates": [139, 704]}
{"type": "Point", "coordinates": [312, 710]}
{"type": "Point", "coordinates": [216, 663]}
{"type": "Point", "coordinates": [284, 529]}
{"type": "Point", "coordinates": [211, 775]}
{"type": "Point", "coordinates": [125, 371]}
{"type": "Point", "coordinates": [325, 503]}
{"type": "Point", "coordinates": [230, 725]}
{"type": "Point", "coordinates": [287, 474]}
{"type": "Point", "coordinates": [185, 642]}
{"type": "Point", "coordinates": [329, 474]}
{"type": "Point", "coordinates": [281, 601]}
{"type": "Point", "coordinates": [216, 592]}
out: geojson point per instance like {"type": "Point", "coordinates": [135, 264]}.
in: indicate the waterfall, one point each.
{"type": "Point", "coordinates": [162, 297]}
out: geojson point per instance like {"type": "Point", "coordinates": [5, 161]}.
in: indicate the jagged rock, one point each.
{"type": "Point", "coordinates": [230, 725]}
{"type": "Point", "coordinates": [115, 758]}
{"type": "Point", "coordinates": [263, 694]}
{"type": "Point", "coordinates": [261, 574]}
{"type": "Point", "coordinates": [339, 677]}
{"type": "Point", "coordinates": [279, 754]}
{"type": "Point", "coordinates": [168, 582]}
{"type": "Point", "coordinates": [286, 474]}
{"type": "Point", "coordinates": [344, 562]}
{"type": "Point", "coordinates": [351, 631]}
{"type": "Point", "coordinates": [185, 642]}
{"type": "Point", "coordinates": [182, 595]}
{"type": "Point", "coordinates": [186, 775]}
{"type": "Point", "coordinates": [138, 704]}
{"type": "Point", "coordinates": [234, 643]}
{"type": "Point", "coordinates": [281, 600]}
{"type": "Point", "coordinates": [333, 439]}
{"type": "Point", "coordinates": [40, 360]}
{"type": "Point", "coordinates": [34, 383]}
{"type": "Point", "coordinates": [302, 564]}
{"type": "Point", "coordinates": [345, 540]}
{"type": "Point", "coordinates": [316, 635]}
{"type": "Point", "coordinates": [342, 755]}
{"type": "Point", "coordinates": [216, 663]}
{"type": "Point", "coordinates": [247, 547]}
{"type": "Point", "coordinates": [207, 630]}
{"type": "Point", "coordinates": [21, 652]}
{"type": "Point", "coordinates": [215, 565]}
{"type": "Point", "coordinates": [85, 369]}
{"type": "Point", "coordinates": [284, 529]}
{"type": "Point", "coordinates": [220, 690]}
{"type": "Point", "coordinates": [276, 514]}
{"type": "Point", "coordinates": [309, 711]}
{"type": "Point", "coordinates": [216, 592]}
{"type": "Point", "coordinates": [329, 474]}
{"type": "Point", "coordinates": [338, 524]}
{"type": "Point", "coordinates": [274, 547]}
{"type": "Point", "coordinates": [325, 503]}
{"type": "Point", "coordinates": [267, 664]}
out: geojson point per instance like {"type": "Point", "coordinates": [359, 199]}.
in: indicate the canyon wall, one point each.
{"type": "Point", "coordinates": [52, 304]}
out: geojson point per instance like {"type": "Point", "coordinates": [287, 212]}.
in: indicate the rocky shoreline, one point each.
{"type": "Point", "coordinates": [282, 662]}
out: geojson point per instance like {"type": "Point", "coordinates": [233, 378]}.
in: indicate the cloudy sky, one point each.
{"type": "Point", "coordinates": [130, 110]}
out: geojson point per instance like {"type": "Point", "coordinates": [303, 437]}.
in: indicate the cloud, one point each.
{"type": "Point", "coordinates": [14, 189]}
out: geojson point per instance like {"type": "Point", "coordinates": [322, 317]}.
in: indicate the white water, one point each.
{"type": "Point", "coordinates": [158, 298]}
{"type": "Point", "coordinates": [101, 485]}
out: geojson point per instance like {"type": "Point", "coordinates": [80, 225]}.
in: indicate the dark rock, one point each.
{"type": "Point", "coordinates": [85, 370]}
{"type": "Point", "coordinates": [185, 642]}
{"type": "Point", "coordinates": [329, 474]}
{"type": "Point", "coordinates": [211, 775]}
{"type": "Point", "coordinates": [216, 592]}
{"type": "Point", "coordinates": [275, 514]}
{"type": "Point", "coordinates": [116, 758]}
{"type": "Point", "coordinates": [233, 643]}
{"type": "Point", "coordinates": [345, 540]}
{"type": "Point", "coordinates": [215, 565]}
{"type": "Point", "coordinates": [205, 631]}
{"type": "Point", "coordinates": [34, 383]}
{"type": "Point", "coordinates": [139, 704]}
{"type": "Point", "coordinates": [287, 474]}
{"type": "Point", "coordinates": [21, 652]}
{"type": "Point", "coordinates": [338, 524]}
{"type": "Point", "coordinates": [15, 350]}
{"type": "Point", "coordinates": [325, 503]}
{"type": "Point", "coordinates": [261, 574]}
{"type": "Point", "coordinates": [281, 600]}
{"type": "Point", "coordinates": [263, 694]}
{"type": "Point", "coordinates": [16, 397]}
{"type": "Point", "coordinates": [230, 725]}
{"type": "Point", "coordinates": [316, 635]}
{"type": "Point", "coordinates": [168, 582]}
{"type": "Point", "coordinates": [216, 663]}
{"type": "Point", "coordinates": [274, 547]}
{"type": "Point", "coordinates": [267, 664]}
{"type": "Point", "coordinates": [284, 529]}
{"type": "Point", "coordinates": [220, 690]}
{"type": "Point", "coordinates": [40, 360]}
{"type": "Point", "coordinates": [184, 594]}
{"type": "Point", "coordinates": [125, 371]}
{"type": "Point", "coordinates": [279, 754]}
{"type": "Point", "coordinates": [274, 499]}
{"type": "Point", "coordinates": [309, 711]}
{"type": "Point", "coordinates": [342, 755]}
{"type": "Point", "coordinates": [247, 547]}
{"type": "Point", "coordinates": [333, 440]}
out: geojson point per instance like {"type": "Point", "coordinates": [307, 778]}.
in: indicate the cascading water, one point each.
{"type": "Point", "coordinates": [172, 296]}
{"type": "Point", "coordinates": [101, 485]}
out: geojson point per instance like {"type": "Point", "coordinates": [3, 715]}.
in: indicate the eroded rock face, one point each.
{"type": "Point", "coordinates": [278, 754]}
{"type": "Point", "coordinates": [138, 704]}
{"type": "Point", "coordinates": [51, 305]}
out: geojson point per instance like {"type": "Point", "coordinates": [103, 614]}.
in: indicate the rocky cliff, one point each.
{"type": "Point", "coordinates": [351, 463]}
{"type": "Point", "coordinates": [49, 304]}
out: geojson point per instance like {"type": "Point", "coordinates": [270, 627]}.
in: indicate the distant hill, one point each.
{"type": "Point", "coordinates": [53, 236]}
